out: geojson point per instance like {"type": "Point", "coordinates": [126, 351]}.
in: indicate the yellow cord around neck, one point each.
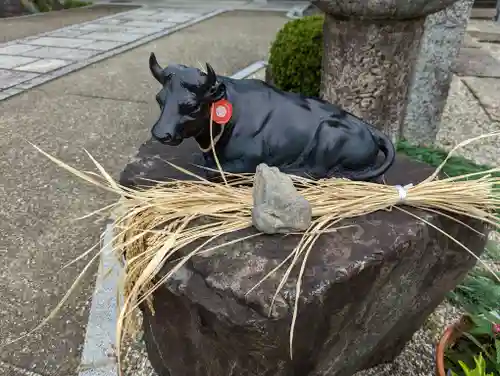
{"type": "Point", "coordinates": [213, 141]}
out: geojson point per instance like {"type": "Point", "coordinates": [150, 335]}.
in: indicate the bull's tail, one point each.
{"type": "Point", "coordinates": [387, 147]}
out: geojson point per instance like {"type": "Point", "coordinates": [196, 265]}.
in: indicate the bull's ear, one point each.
{"type": "Point", "coordinates": [156, 69]}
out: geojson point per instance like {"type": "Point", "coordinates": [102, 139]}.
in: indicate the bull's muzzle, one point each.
{"type": "Point", "coordinates": [167, 138]}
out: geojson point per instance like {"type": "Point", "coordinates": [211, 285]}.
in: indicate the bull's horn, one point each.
{"type": "Point", "coordinates": [211, 77]}
{"type": "Point", "coordinates": [155, 68]}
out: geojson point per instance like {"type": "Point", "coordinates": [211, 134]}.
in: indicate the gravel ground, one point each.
{"type": "Point", "coordinates": [417, 358]}
{"type": "Point", "coordinates": [135, 357]}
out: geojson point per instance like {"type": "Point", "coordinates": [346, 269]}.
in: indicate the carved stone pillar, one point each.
{"type": "Point", "coordinates": [371, 50]}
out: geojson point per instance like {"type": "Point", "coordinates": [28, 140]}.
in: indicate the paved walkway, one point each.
{"type": "Point", "coordinates": [29, 62]}
{"type": "Point", "coordinates": [20, 27]}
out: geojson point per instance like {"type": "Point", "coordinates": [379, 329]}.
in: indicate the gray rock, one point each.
{"type": "Point", "coordinates": [277, 206]}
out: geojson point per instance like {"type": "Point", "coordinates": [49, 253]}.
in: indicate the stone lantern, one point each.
{"type": "Point", "coordinates": [370, 54]}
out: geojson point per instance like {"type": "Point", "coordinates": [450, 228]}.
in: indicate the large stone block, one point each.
{"type": "Point", "coordinates": [366, 290]}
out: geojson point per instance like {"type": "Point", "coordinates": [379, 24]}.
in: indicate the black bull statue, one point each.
{"type": "Point", "coordinates": [261, 124]}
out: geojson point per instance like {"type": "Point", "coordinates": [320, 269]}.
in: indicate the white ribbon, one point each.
{"type": "Point", "coordinates": [403, 191]}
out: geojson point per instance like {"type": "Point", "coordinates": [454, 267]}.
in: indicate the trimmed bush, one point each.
{"type": "Point", "coordinates": [296, 55]}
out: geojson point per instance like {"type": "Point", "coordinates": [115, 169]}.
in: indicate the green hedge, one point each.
{"type": "Point", "coordinates": [296, 55]}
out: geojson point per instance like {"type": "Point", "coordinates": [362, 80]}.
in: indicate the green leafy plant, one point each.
{"type": "Point", "coordinates": [296, 56]}
{"type": "Point", "coordinates": [479, 370]}
{"type": "Point", "coordinates": [481, 338]}
{"type": "Point", "coordinates": [480, 290]}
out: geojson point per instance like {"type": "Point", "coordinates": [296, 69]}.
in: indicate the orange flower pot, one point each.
{"type": "Point", "coordinates": [449, 337]}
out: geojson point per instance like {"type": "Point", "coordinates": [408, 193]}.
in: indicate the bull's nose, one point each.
{"type": "Point", "coordinates": [165, 137]}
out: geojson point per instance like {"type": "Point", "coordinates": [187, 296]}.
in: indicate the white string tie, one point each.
{"type": "Point", "coordinates": [403, 191]}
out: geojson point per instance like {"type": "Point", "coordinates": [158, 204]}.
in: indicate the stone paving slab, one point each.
{"type": "Point", "coordinates": [21, 27]}
{"type": "Point", "coordinates": [16, 49]}
{"type": "Point", "coordinates": [482, 26]}
{"type": "Point", "coordinates": [103, 46]}
{"type": "Point", "coordinates": [43, 65]}
{"type": "Point", "coordinates": [486, 37]}
{"type": "Point", "coordinates": [487, 92]}
{"type": "Point", "coordinates": [58, 42]}
{"type": "Point", "coordinates": [55, 53]}
{"type": "Point", "coordinates": [59, 53]}
{"type": "Point", "coordinates": [493, 48]}
{"type": "Point", "coordinates": [470, 42]}
{"type": "Point", "coordinates": [476, 62]}
{"type": "Point", "coordinates": [9, 62]}
{"type": "Point", "coordinates": [10, 78]}
{"type": "Point", "coordinates": [118, 36]}
{"type": "Point", "coordinates": [69, 33]}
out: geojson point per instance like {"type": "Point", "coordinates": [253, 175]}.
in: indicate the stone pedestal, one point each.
{"type": "Point", "coordinates": [366, 290]}
{"type": "Point", "coordinates": [443, 36]}
{"type": "Point", "coordinates": [371, 50]}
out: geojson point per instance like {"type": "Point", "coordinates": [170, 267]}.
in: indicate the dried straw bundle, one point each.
{"type": "Point", "coordinates": [153, 225]}
{"type": "Point", "coordinates": [158, 223]}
